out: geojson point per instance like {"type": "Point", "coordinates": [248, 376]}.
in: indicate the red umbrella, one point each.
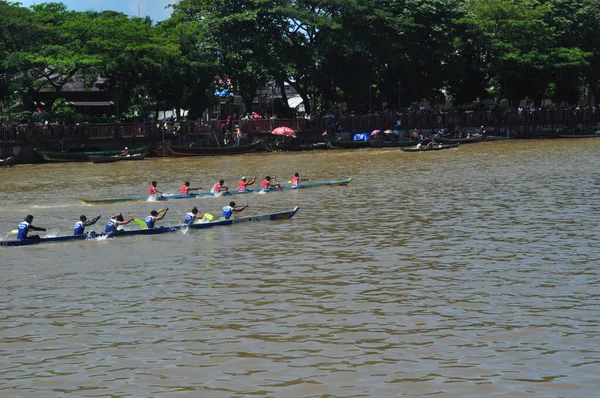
{"type": "Point", "coordinates": [284, 131]}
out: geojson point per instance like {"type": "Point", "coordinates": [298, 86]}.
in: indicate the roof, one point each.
{"type": "Point", "coordinates": [294, 102]}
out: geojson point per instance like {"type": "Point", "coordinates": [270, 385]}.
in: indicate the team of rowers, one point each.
{"type": "Point", "coordinates": [267, 184]}
{"type": "Point", "coordinates": [116, 222]}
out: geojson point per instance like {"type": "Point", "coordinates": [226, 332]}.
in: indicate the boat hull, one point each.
{"type": "Point", "coordinates": [425, 149]}
{"type": "Point", "coordinates": [8, 162]}
{"type": "Point", "coordinates": [185, 151]}
{"type": "Point", "coordinates": [392, 143]}
{"type": "Point", "coordinates": [112, 159]}
{"type": "Point", "coordinates": [350, 144]}
{"type": "Point", "coordinates": [448, 141]}
{"type": "Point", "coordinates": [284, 215]}
{"type": "Point", "coordinates": [209, 194]}
{"type": "Point", "coordinates": [55, 156]}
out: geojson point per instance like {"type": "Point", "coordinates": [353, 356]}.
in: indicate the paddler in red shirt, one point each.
{"type": "Point", "coordinates": [220, 187]}
{"type": "Point", "coordinates": [244, 183]}
{"type": "Point", "coordinates": [185, 189]}
{"type": "Point", "coordinates": [152, 191]}
{"type": "Point", "coordinates": [296, 180]}
{"type": "Point", "coordinates": [267, 184]}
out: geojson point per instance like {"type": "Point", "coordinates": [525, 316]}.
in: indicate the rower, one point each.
{"type": "Point", "coordinates": [24, 228]}
{"type": "Point", "coordinates": [229, 210]}
{"type": "Point", "coordinates": [155, 216]}
{"type": "Point", "coordinates": [126, 152]}
{"type": "Point", "coordinates": [267, 184]}
{"type": "Point", "coordinates": [115, 222]}
{"type": "Point", "coordinates": [296, 180]}
{"type": "Point", "coordinates": [244, 183]}
{"type": "Point", "coordinates": [83, 222]}
{"type": "Point", "coordinates": [220, 187]}
{"type": "Point", "coordinates": [192, 216]}
{"type": "Point", "coordinates": [185, 189]}
{"type": "Point", "coordinates": [152, 191]}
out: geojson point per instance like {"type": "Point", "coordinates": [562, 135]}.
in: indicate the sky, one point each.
{"type": "Point", "coordinates": [154, 8]}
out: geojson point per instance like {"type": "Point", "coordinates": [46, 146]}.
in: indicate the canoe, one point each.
{"type": "Point", "coordinates": [350, 144]}
{"type": "Point", "coordinates": [295, 147]}
{"type": "Point", "coordinates": [284, 215]}
{"type": "Point", "coordinates": [56, 156]}
{"type": "Point", "coordinates": [210, 194]}
{"type": "Point", "coordinates": [579, 136]}
{"type": "Point", "coordinates": [471, 140]}
{"type": "Point", "coordinates": [179, 151]}
{"type": "Point", "coordinates": [112, 159]}
{"type": "Point", "coordinates": [496, 138]}
{"type": "Point", "coordinates": [7, 162]}
{"type": "Point", "coordinates": [425, 149]}
{"type": "Point", "coordinates": [392, 143]}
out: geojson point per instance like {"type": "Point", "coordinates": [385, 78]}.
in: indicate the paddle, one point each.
{"type": "Point", "coordinates": [141, 223]}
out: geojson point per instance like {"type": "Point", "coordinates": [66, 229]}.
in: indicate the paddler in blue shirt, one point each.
{"type": "Point", "coordinates": [79, 228]}
{"type": "Point", "coordinates": [115, 222]}
{"type": "Point", "coordinates": [24, 228]}
{"type": "Point", "coordinates": [192, 216]}
{"type": "Point", "coordinates": [155, 216]}
{"type": "Point", "coordinates": [229, 210]}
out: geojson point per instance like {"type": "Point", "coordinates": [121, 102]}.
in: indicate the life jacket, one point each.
{"type": "Point", "coordinates": [189, 218]}
{"type": "Point", "coordinates": [152, 190]}
{"type": "Point", "coordinates": [150, 222]}
{"type": "Point", "coordinates": [227, 212]}
{"type": "Point", "coordinates": [184, 190]}
{"type": "Point", "coordinates": [23, 230]}
{"type": "Point", "coordinates": [295, 181]}
{"type": "Point", "coordinates": [79, 228]}
{"type": "Point", "coordinates": [111, 226]}
{"type": "Point", "coordinates": [265, 184]}
{"type": "Point", "coordinates": [242, 186]}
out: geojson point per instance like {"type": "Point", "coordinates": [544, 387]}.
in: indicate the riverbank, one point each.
{"type": "Point", "coordinates": [20, 141]}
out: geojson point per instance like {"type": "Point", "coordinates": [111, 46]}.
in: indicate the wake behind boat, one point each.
{"type": "Point", "coordinates": [284, 215]}
{"type": "Point", "coordinates": [210, 194]}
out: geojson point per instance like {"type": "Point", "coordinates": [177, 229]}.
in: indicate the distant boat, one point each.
{"type": "Point", "coordinates": [56, 156]}
{"type": "Point", "coordinates": [179, 151]}
{"type": "Point", "coordinates": [469, 140]}
{"type": "Point", "coordinates": [579, 135]}
{"type": "Point", "coordinates": [112, 159]}
{"type": "Point", "coordinates": [393, 143]}
{"type": "Point", "coordinates": [425, 148]}
{"type": "Point", "coordinates": [7, 162]}
{"type": "Point", "coordinates": [344, 144]}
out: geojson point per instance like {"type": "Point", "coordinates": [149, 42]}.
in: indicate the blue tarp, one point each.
{"type": "Point", "coordinates": [361, 137]}
{"type": "Point", "coordinates": [224, 93]}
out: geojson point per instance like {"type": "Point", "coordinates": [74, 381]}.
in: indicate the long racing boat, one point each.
{"type": "Point", "coordinates": [284, 215]}
{"type": "Point", "coordinates": [210, 194]}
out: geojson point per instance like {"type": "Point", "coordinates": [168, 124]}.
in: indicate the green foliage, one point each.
{"type": "Point", "coordinates": [361, 53]}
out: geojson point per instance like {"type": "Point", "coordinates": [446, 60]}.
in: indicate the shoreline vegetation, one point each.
{"type": "Point", "coordinates": [338, 57]}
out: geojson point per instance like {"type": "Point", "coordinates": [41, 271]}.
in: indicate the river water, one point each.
{"type": "Point", "coordinates": [461, 273]}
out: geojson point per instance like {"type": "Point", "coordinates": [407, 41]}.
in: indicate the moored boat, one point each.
{"type": "Point", "coordinates": [284, 215]}
{"type": "Point", "coordinates": [579, 135]}
{"type": "Point", "coordinates": [112, 159]}
{"type": "Point", "coordinates": [425, 148]}
{"type": "Point", "coordinates": [210, 194]}
{"type": "Point", "coordinates": [7, 162]}
{"type": "Point", "coordinates": [392, 143]}
{"type": "Point", "coordinates": [56, 156]}
{"type": "Point", "coordinates": [179, 151]}
{"type": "Point", "coordinates": [469, 140]}
{"type": "Point", "coordinates": [344, 144]}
